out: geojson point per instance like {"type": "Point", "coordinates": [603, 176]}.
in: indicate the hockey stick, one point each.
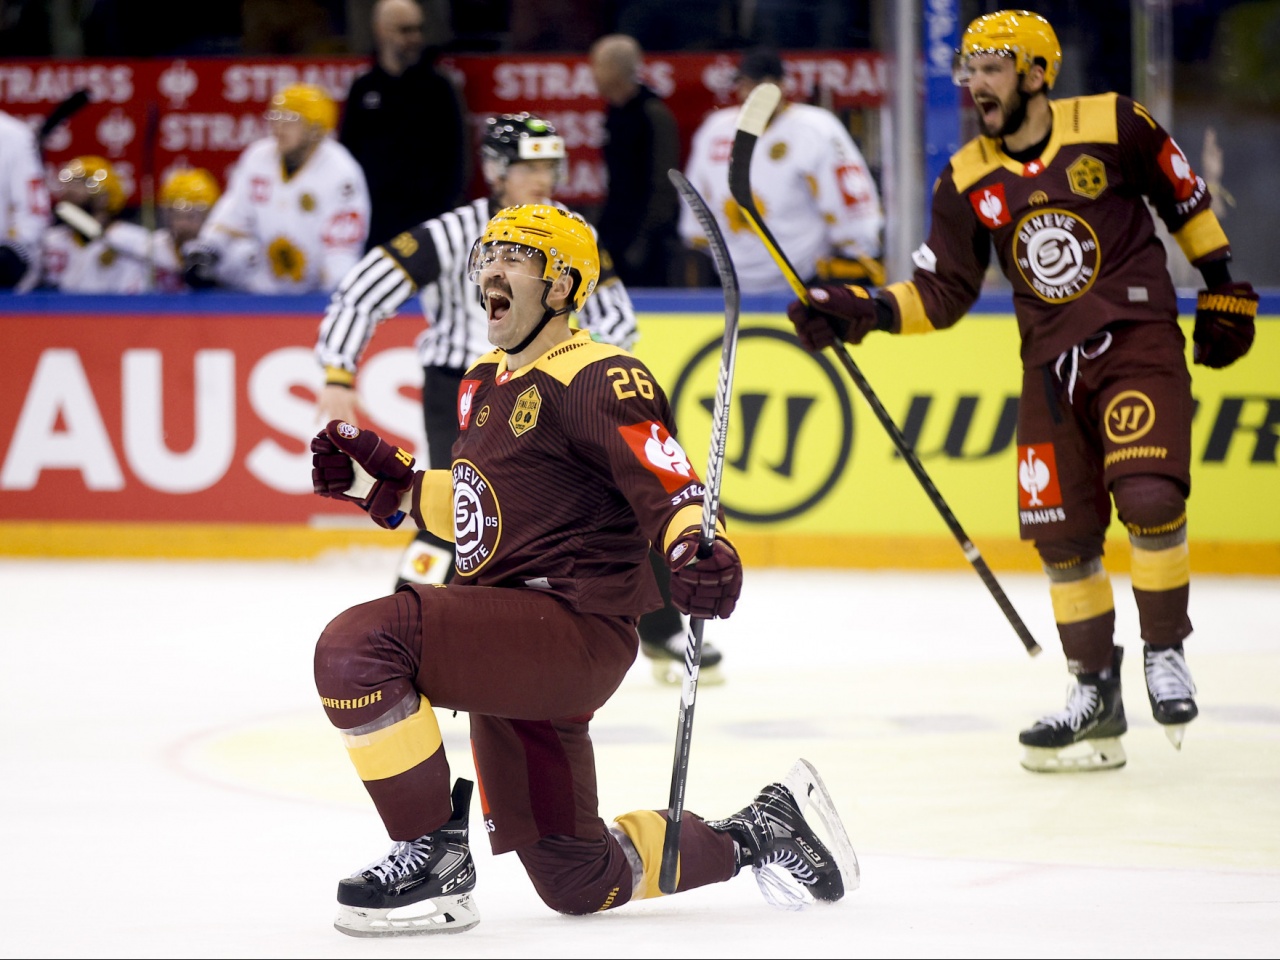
{"type": "Point", "coordinates": [60, 114]}
{"type": "Point", "coordinates": [752, 120]}
{"type": "Point", "coordinates": [149, 133]}
{"type": "Point", "coordinates": [710, 507]}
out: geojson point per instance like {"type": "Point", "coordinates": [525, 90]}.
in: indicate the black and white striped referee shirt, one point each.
{"type": "Point", "coordinates": [432, 258]}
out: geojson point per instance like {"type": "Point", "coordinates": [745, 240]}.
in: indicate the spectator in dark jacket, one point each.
{"type": "Point", "coordinates": [638, 220]}
{"type": "Point", "coordinates": [406, 125]}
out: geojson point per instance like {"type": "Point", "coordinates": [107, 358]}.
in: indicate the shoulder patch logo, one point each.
{"type": "Point", "coordinates": [524, 417]}
{"type": "Point", "coordinates": [1177, 168]}
{"type": "Point", "coordinates": [990, 205]}
{"type": "Point", "coordinates": [854, 184]}
{"type": "Point", "coordinates": [466, 395]}
{"type": "Point", "coordinates": [1087, 176]}
{"type": "Point", "coordinates": [660, 453]}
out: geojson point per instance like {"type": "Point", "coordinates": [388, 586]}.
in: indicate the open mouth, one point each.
{"type": "Point", "coordinates": [988, 109]}
{"type": "Point", "coordinates": [497, 303]}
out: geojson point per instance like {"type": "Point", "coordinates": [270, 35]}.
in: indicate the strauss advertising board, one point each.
{"type": "Point", "coordinates": [167, 113]}
{"type": "Point", "coordinates": [194, 413]}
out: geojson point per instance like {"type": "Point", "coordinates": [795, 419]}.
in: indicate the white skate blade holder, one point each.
{"type": "Point", "coordinates": [818, 809]}
{"type": "Point", "coordinates": [364, 482]}
{"type": "Point", "coordinates": [449, 914]}
{"type": "Point", "coordinates": [1083, 756]}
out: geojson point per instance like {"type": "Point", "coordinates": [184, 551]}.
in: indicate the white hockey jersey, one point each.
{"type": "Point", "coordinates": [24, 196]}
{"type": "Point", "coordinates": [115, 262]}
{"type": "Point", "coordinates": [810, 183]}
{"type": "Point", "coordinates": [308, 229]}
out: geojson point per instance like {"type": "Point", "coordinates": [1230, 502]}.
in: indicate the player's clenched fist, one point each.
{"type": "Point", "coordinates": [706, 587]}
{"type": "Point", "coordinates": [340, 443]}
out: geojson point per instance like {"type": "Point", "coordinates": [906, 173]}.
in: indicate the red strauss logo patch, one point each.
{"type": "Point", "coordinates": [1038, 477]}
{"type": "Point", "coordinates": [466, 393]}
{"type": "Point", "coordinates": [990, 206]}
{"type": "Point", "coordinates": [1178, 169]}
{"type": "Point", "coordinates": [659, 451]}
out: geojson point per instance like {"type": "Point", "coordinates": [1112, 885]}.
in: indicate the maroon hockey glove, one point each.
{"type": "Point", "coordinates": [835, 313]}
{"type": "Point", "coordinates": [391, 469]}
{"type": "Point", "coordinates": [1224, 324]}
{"type": "Point", "coordinates": [708, 587]}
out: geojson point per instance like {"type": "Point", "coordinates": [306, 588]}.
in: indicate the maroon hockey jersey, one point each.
{"type": "Point", "coordinates": [1071, 229]}
{"type": "Point", "coordinates": [563, 473]}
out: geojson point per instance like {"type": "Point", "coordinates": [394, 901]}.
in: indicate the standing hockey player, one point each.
{"type": "Point", "coordinates": [811, 183]}
{"type": "Point", "coordinates": [522, 160]}
{"type": "Point", "coordinates": [1106, 407]}
{"type": "Point", "coordinates": [296, 212]}
{"type": "Point", "coordinates": [565, 470]}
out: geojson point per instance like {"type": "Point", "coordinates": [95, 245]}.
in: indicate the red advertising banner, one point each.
{"type": "Point", "coordinates": [185, 417]}
{"type": "Point", "coordinates": [207, 110]}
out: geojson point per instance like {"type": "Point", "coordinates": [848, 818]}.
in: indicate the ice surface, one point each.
{"type": "Point", "coordinates": [173, 789]}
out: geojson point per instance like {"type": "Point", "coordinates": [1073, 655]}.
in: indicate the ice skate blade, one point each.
{"type": "Point", "coordinates": [439, 915]}
{"type": "Point", "coordinates": [1083, 757]}
{"type": "Point", "coordinates": [671, 673]}
{"type": "Point", "coordinates": [815, 803]}
{"type": "Point", "coordinates": [1175, 732]}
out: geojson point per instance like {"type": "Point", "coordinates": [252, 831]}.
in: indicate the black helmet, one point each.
{"type": "Point", "coordinates": [516, 137]}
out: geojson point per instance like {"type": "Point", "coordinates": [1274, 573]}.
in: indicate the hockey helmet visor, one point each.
{"type": "Point", "coordinates": [558, 241]}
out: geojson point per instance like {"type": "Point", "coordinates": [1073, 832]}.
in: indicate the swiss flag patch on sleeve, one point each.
{"type": "Point", "coordinates": [660, 453]}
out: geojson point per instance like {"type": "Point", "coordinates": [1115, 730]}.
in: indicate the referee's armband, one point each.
{"type": "Point", "coordinates": [338, 377]}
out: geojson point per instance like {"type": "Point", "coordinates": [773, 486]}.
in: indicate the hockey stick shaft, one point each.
{"type": "Point", "coordinates": [61, 113]}
{"type": "Point", "coordinates": [149, 220]}
{"type": "Point", "coordinates": [751, 123]}
{"type": "Point", "coordinates": [668, 873]}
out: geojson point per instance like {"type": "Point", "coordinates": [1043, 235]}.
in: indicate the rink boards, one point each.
{"type": "Point", "coordinates": [178, 427]}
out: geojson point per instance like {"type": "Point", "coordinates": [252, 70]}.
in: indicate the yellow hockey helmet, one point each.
{"type": "Point", "coordinates": [194, 189]}
{"type": "Point", "coordinates": [565, 240]}
{"type": "Point", "coordinates": [306, 102]}
{"type": "Point", "coordinates": [99, 179]}
{"type": "Point", "coordinates": [1024, 36]}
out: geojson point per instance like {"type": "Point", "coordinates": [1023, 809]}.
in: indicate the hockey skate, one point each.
{"type": "Point", "coordinates": [1085, 735]}
{"type": "Point", "coordinates": [1170, 690]}
{"type": "Point", "coordinates": [422, 886]}
{"type": "Point", "coordinates": [667, 658]}
{"type": "Point", "coordinates": [793, 865]}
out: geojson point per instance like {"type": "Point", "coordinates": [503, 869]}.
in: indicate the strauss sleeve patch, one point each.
{"type": "Point", "coordinates": [660, 453]}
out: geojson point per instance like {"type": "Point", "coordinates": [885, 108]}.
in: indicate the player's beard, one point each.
{"type": "Point", "coordinates": [1013, 117]}
{"type": "Point", "coordinates": [1016, 117]}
